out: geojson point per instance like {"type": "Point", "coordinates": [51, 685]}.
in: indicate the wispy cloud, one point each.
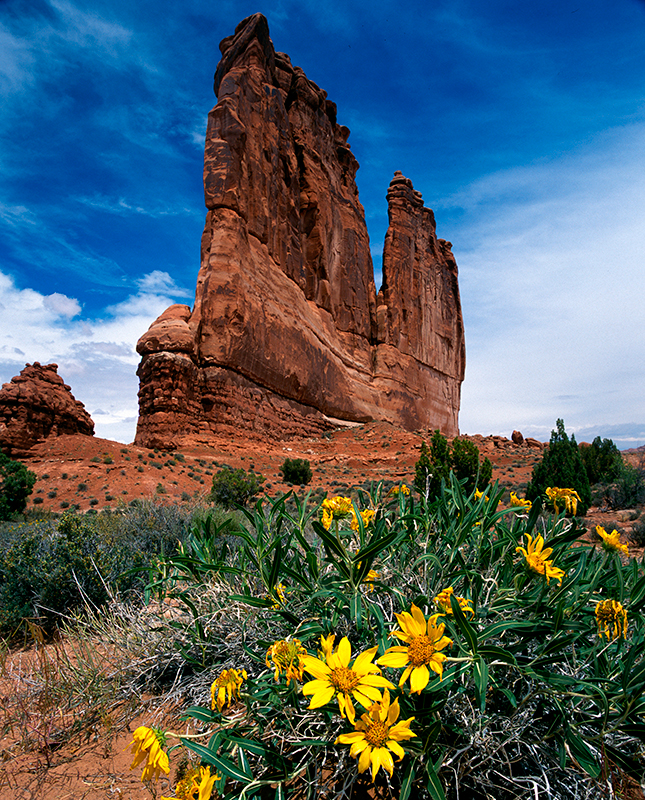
{"type": "Point", "coordinates": [552, 283]}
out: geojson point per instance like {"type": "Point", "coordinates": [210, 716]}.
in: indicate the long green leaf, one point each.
{"type": "Point", "coordinates": [582, 754]}
{"type": "Point", "coordinates": [222, 764]}
{"type": "Point", "coordinates": [463, 624]}
{"type": "Point", "coordinates": [434, 784]}
{"type": "Point", "coordinates": [481, 682]}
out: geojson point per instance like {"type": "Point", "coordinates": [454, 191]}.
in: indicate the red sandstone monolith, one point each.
{"type": "Point", "coordinates": [287, 335]}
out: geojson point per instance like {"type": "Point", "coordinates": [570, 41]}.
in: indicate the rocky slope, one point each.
{"type": "Point", "coordinates": [287, 332]}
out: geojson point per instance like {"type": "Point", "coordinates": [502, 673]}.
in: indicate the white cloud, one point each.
{"type": "Point", "coordinates": [552, 284]}
{"type": "Point", "coordinates": [96, 356]}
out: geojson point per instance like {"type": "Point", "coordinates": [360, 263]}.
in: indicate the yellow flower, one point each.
{"type": "Point", "coordinates": [367, 516]}
{"type": "Point", "coordinates": [334, 677]}
{"type": "Point", "coordinates": [335, 508]}
{"type": "Point", "coordinates": [279, 589]}
{"type": "Point", "coordinates": [611, 618]}
{"type": "Point", "coordinates": [369, 579]}
{"type": "Point", "coordinates": [226, 687]}
{"type": "Point", "coordinates": [377, 733]}
{"type": "Point", "coordinates": [570, 496]}
{"type": "Point", "coordinates": [403, 489]}
{"type": "Point", "coordinates": [197, 784]}
{"type": "Point", "coordinates": [443, 601]}
{"type": "Point", "coordinates": [537, 558]}
{"type": "Point", "coordinates": [146, 746]}
{"type": "Point", "coordinates": [611, 541]}
{"type": "Point", "coordinates": [423, 640]}
{"type": "Point", "coordinates": [286, 656]}
{"type": "Point", "coordinates": [519, 503]}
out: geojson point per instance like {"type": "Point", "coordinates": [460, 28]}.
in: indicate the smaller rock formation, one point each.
{"type": "Point", "coordinates": [517, 437]}
{"type": "Point", "coordinates": [37, 404]}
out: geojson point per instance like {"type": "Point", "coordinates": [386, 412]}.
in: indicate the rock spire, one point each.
{"type": "Point", "coordinates": [287, 334]}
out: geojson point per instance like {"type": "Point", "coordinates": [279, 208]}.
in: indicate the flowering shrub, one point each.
{"type": "Point", "coordinates": [438, 650]}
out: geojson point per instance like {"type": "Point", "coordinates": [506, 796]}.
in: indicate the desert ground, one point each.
{"type": "Point", "coordinates": [89, 473]}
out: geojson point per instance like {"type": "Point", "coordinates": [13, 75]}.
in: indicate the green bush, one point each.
{"type": "Point", "coordinates": [51, 567]}
{"type": "Point", "coordinates": [561, 466]}
{"type": "Point", "coordinates": [296, 470]}
{"type": "Point", "coordinates": [233, 487]}
{"type": "Point", "coordinates": [467, 467]}
{"type": "Point", "coordinates": [435, 465]}
{"type": "Point", "coordinates": [602, 461]}
{"type": "Point", "coordinates": [16, 484]}
{"type": "Point", "coordinates": [615, 483]}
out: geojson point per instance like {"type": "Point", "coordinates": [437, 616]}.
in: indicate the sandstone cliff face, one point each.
{"type": "Point", "coordinates": [285, 332]}
{"type": "Point", "coordinates": [35, 405]}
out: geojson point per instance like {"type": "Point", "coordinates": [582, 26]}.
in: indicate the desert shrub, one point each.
{"type": "Point", "coordinates": [51, 567]}
{"type": "Point", "coordinates": [233, 487]}
{"type": "Point", "coordinates": [296, 470]}
{"type": "Point", "coordinates": [434, 465]}
{"type": "Point", "coordinates": [561, 466]}
{"type": "Point", "coordinates": [16, 484]}
{"type": "Point", "coordinates": [466, 465]}
{"type": "Point", "coordinates": [627, 491]}
{"type": "Point", "coordinates": [602, 460]}
{"type": "Point", "coordinates": [637, 536]}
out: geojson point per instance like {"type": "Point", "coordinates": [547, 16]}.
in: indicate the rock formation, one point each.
{"type": "Point", "coordinates": [287, 334]}
{"type": "Point", "coordinates": [35, 405]}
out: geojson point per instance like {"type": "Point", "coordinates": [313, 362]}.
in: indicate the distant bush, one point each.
{"type": "Point", "coordinates": [296, 470]}
{"type": "Point", "coordinates": [435, 464]}
{"type": "Point", "coordinates": [561, 466]}
{"type": "Point", "coordinates": [602, 460]}
{"type": "Point", "coordinates": [16, 484]}
{"type": "Point", "coordinates": [467, 467]}
{"type": "Point", "coordinates": [615, 484]}
{"type": "Point", "coordinates": [51, 567]}
{"type": "Point", "coordinates": [235, 487]}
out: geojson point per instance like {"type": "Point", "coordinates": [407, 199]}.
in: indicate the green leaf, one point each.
{"type": "Point", "coordinates": [406, 782]}
{"type": "Point", "coordinates": [434, 784]}
{"type": "Point", "coordinates": [222, 764]}
{"type": "Point", "coordinates": [199, 712]}
{"type": "Point", "coordinates": [481, 682]}
{"type": "Point", "coordinates": [275, 566]}
{"type": "Point", "coordinates": [637, 678]}
{"type": "Point", "coordinates": [582, 754]}
{"type": "Point", "coordinates": [497, 654]}
{"type": "Point", "coordinates": [636, 729]}
{"type": "Point", "coordinates": [254, 602]}
{"type": "Point", "coordinates": [356, 609]}
{"type": "Point", "coordinates": [331, 544]}
{"type": "Point", "coordinates": [463, 624]}
{"type": "Point", "coordinates": [376, 546]}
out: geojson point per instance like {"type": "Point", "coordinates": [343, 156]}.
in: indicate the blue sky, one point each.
{"type": "Point", "coordinates": [523, 125]}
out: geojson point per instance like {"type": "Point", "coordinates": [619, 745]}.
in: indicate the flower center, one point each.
{"type": "Point", "coordinates": [227, 678]}
{"type": "Point", "coordinates": [420, 650]}
{"type": "Point", "coordinates": [377, 734]}
{"type": "Point", "coordinates": [343, 679]}
{"type": "Point", "coordinates": [536, 563]}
